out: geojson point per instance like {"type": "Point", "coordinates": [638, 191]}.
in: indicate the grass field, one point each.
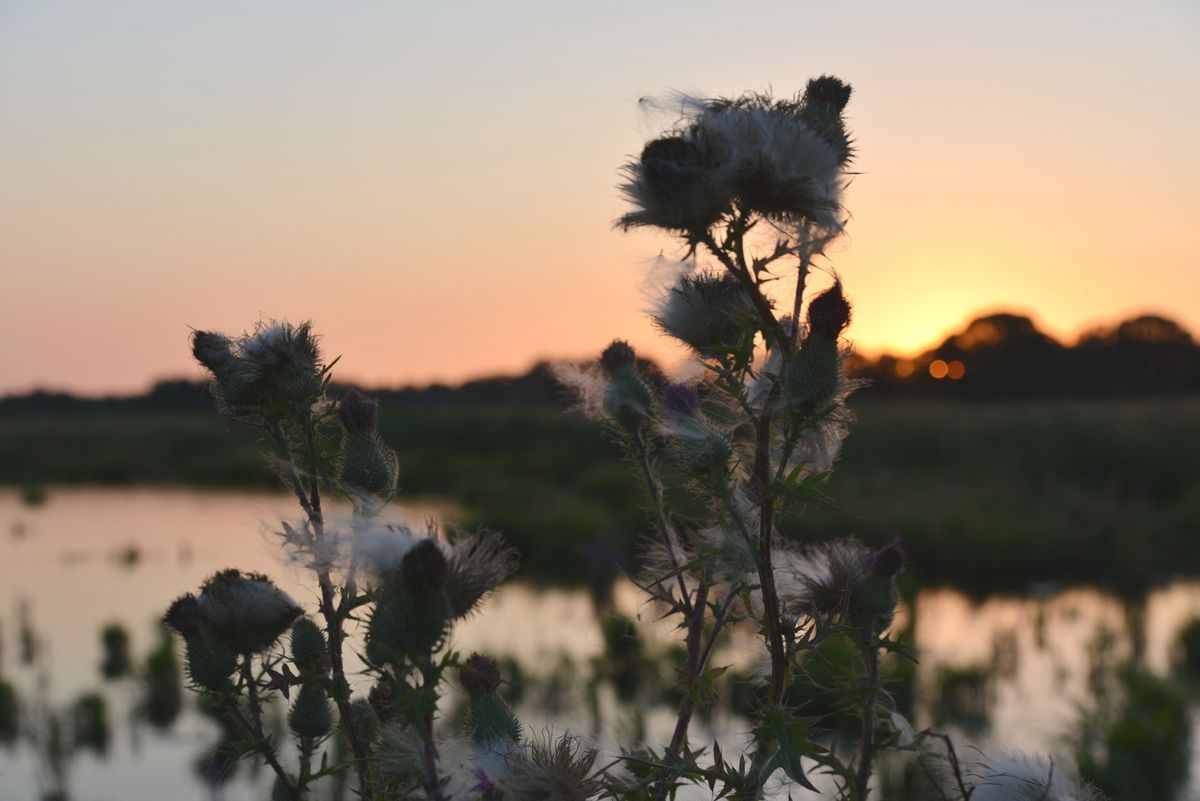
{"type": "Point", "coordinates": [986, 497]}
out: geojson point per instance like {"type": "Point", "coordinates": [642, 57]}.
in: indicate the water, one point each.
{"type": "Point", "coordinates": [90, 557]}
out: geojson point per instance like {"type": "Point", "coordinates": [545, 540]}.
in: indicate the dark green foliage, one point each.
{"type": "Point", "coordinates": [89, 721]}
{"type": "Point", "coordinates": [1186, 656]}
{"type": "Point", "coordinates": [964, 698]}
{"type": "Point", "coordinates": [9, 712]}
{"type": "Point", "coordinates": [164, 685]}
{"type": "Point", "coordinates": [117, 661]}
{"type": "Point", "coordinates": [986, 497]}
{"type": "Point", "coordinates": [1142, 747]}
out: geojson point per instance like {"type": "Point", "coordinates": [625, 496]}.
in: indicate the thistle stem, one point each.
{"type": "Point", "coordinates": [433, 783]}
{"type": "Point", "coordinates": [655, 494]}
{"type": "Point", "coordinates": [254, 729]}
{"type": "Point", "coordinates": [866, 742]}
{"type": "Point", "coordinates": [311, 503]}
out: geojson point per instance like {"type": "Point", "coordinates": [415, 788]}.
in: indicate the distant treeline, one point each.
{"type": "Point", "coordinates": [997, 357]}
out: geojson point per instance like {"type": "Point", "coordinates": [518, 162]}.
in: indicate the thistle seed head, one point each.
{"type": "Point", "coordinates": [183, 615]}
{"type": "Point", "coordinates": [247, 610]}
{"type": "Point", "coordinates": [423, 569]}
{"type": "Point", "coordinates": [214, 351]}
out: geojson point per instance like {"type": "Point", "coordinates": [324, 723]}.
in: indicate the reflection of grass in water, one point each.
{"type": "Point", "coordinates": [985, 497]}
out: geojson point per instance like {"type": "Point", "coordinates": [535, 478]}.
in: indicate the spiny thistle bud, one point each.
{"type": "Point", "coordinates": [479, 675]}
{"type": "Point", "coordinates": [710, 313]}
{"type": "Point", "coordinates": [824, 101]}
{"type": "Point", "coordinates": [308, 643]}
{"type": "Point", "coordinates": [310, 716]}
{"type": "Point", "coordinates": [247, 610]}
{"type": "Point", "coordinates": [490, 722]}
{"type": "Point", "coordinates": [888, 561]}
{"type": "Point", "coordinates": [628, 399]}
{"type": "Point", "coordinates": [210, 660]}
{"type": "Point", "coordinates": [827, 92]}
{"type": "Point", "coordinates": [406, 624]}
{"type": "Point", "coordinates": [617, 356]}
{"type": "Point", "coordinates": [423, 569]}
{"type": "Point", "coordinates": [382, 700]}
{"type": "Point", "coordinates": [358, 413]}
{"type": "Point", "coordinates": [829, 313]}
{"type": "Point", "coordinates": [812, 375]}
{"type": "Point", "coordinates": [368, 464]}
{"type": "Point", "coordinates": [214, 351]}
{"type": "Point", "coordinates": [681, 399]}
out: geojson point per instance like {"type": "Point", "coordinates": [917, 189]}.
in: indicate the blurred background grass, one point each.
{"type": "Point", "coordinates": [986, 497]}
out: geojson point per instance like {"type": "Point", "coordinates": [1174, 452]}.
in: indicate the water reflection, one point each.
{"type": "Point", "coordinates": [99, 684]}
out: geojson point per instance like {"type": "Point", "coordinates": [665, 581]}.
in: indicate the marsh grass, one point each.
{"type": "Point", "coordinates": [993, 497]}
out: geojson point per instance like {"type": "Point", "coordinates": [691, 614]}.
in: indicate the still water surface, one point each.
{"type": "Point", "coordinates": [88, 557]}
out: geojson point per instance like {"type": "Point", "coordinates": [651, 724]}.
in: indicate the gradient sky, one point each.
{"type": "Point", "coordinates": [434, 184]}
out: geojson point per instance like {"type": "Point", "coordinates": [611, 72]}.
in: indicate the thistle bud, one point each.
{"type": "Point", "coordinates": [358, 413]}
{"type": "Point", "coordinates": [424, 568]}
{"type": "Point", "coordinates": [812, 375]}
{"type": "Point", "coordinates": [824, 101]}
{"type": "Point", "coordinates": [827, 92]}
{"type": "Point", "coordinates": [382, 700]}
{"type": "Point", "coordinates": [214, 351]}
{"type": "Point", "coordinates": [406, 624]}
{"type": "Point", "coordinates": [479, 675]}
{"type": "Point", "coordinates": [829, 313]}
{"type": "Point", "coordinates": [367, 464]}
{"type": "Point", "coordinates": [888, 561]}
{"type": "Point", "coordinates": [210, 660]}
{"type": "Point", "coordinates": [628, 399]}
{"type": "Point", "coordinates": [308, 643]}
{"type": "Point", "coordinates": [681, 399]}
{"type": "Point", "coordinates": [310, 716]}
{"type": "Point", "coordinates": [617, 356]}
{"type": "Point", "coordinates": [491, 723]}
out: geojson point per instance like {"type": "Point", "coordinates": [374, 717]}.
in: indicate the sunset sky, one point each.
{"type": "Point", "coordinates": [434, 184]}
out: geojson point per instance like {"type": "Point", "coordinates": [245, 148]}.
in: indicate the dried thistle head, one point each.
{"type": "Point", "coordinates": [247, 610]}
{"type": "Point", "coordinates": [1023, 777]}
{"type": "Point", "coordinates": [552, 769]}
{"type": "Point", "coordinates": [709, 312]}
{"type": "Point", "coordinates": [478, 563]}
{"type": "Point", "coordinates": [829, 313]}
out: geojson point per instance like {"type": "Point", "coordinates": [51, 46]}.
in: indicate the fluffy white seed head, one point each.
{"type": "Point", "coordinates": [1024, 777]}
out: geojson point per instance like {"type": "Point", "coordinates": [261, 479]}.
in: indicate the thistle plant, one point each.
{"type": "Point", "coordinates": [385, 590]}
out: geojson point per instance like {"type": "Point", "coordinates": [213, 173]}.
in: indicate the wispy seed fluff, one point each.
{"type": "Point", "coordinates": [279, 362]}
{"type": "Point", "coordinates": [709, 312]}
{"type": "Point", "coordinates": [552, 769]}
{"type": "Point", "coordinates": [783, 159]}
{"type": "Point", "coordinates": [1022, 777]}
